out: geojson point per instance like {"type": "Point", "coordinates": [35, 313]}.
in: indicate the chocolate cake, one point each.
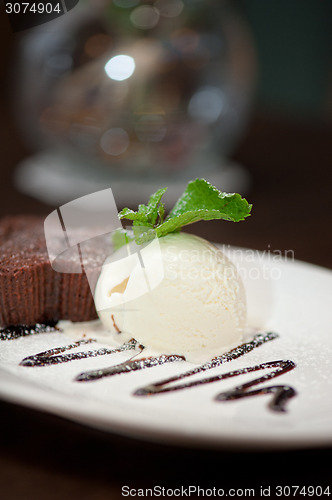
{"type": "Point", "coordinates": [30, 290]}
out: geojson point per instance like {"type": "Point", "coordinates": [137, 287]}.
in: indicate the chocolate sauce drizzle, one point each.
{"type": "Point", "coordinates": [15, 331]}
{"type": "Point", "coordinates": [129, 366]}
{"type": "Point", "coordinates": [52, 357]}
{"type": "Point", "coordinates": [282, 393]}
{"type": "Point", "coordinates": [150, 362]}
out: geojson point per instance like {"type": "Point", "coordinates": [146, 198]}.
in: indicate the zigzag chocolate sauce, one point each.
{"type": "Point", "coordinates": [281, 393]}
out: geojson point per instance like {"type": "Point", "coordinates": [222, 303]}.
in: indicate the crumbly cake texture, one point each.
{"type": "Point", "coordinates": [30, 290]}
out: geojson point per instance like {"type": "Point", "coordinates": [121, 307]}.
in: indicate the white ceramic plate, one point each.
{"type": "Point", "coordinates": [288, 297]}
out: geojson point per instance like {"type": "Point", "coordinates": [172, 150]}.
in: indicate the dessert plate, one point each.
{"type": "Point", "coordinates": [289, 298]}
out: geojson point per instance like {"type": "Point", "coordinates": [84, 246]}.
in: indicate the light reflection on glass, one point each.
{"type": "Point", "coordinates": [120, 67]}
{"type": "Point", "coordinates": [126, 4]}
{"type": "Point", "coordinates": [145, 17]}
{"type": "Point", "coordinates": [58, 64]}
{"type": "Point", "coordinates": [83, 134]}
{"type": "Point", "coordinates": [54, 120]}
{"type": "Point", "coordinates": [184, 77]}
{"type": "Point", "coordinates": [114, 141]}
{"type": "Point", "coordinates": [169, 8]}
{"type": "Point", "coordinates": [97, 45]}
{"type": "Point", "coordinates": [151, 128]}
{"type": "Point", "coordinates": [185, 40]}
{"type": "Point", "coordinates": [213, 43]}
{"type": "Point", "coordinates": [176, 148]}
{"type": "Point", "coordinates": [207, 104]}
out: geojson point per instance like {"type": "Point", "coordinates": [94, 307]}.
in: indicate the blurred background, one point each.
{"type": "Point", "coordinates": [137, 95]}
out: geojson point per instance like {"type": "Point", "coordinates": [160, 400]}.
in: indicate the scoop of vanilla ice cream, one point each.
{"type": "Point", "coordinates": [178, 295]}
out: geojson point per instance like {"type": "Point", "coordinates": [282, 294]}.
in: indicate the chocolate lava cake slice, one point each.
{"type": "Point", "coordinates": [30, 290]}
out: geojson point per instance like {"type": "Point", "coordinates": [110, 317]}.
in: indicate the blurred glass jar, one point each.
{"type": "Point", "coordinates": [136, 86]}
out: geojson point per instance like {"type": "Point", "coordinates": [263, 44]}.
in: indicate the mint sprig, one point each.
{"type": "Point", "coordinates": [120, 237]}
{"type": "Point", "coordinates": [200, 201]}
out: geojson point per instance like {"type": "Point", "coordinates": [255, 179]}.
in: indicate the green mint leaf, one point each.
{"type": "Point", "coordinates": [127, 213]}
{"type": "Point", "coordinates": [143, 234]}
{"type": "Point", "coordinates": [201, 196]}
{"type": "Point", "coordinates": [153, 205]}
{"type": "Point", "coordinates": [120, 237]}
{"type": "Point", "coordinates": [161, 212]}
{"type": "Point", "coordinates": [143, 211]}
{"type": "Point", "coordinates": [146, 215]}
{"type": "Point", "coordinates": [173, 224]}
{"type": "Point", "coordinates": [200, 201]}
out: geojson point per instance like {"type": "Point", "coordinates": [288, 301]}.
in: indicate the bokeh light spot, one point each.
{"type": "Point", "coordinates": [169, 8]}
{"type": "Point", "coordinates": [145, 17]}
{"type": "Point", "coordinates": [206, 104]}
{"type": "Point", "coordinates": [120, 67]}
{"type": "Point", "coordinates": [114, 141]}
